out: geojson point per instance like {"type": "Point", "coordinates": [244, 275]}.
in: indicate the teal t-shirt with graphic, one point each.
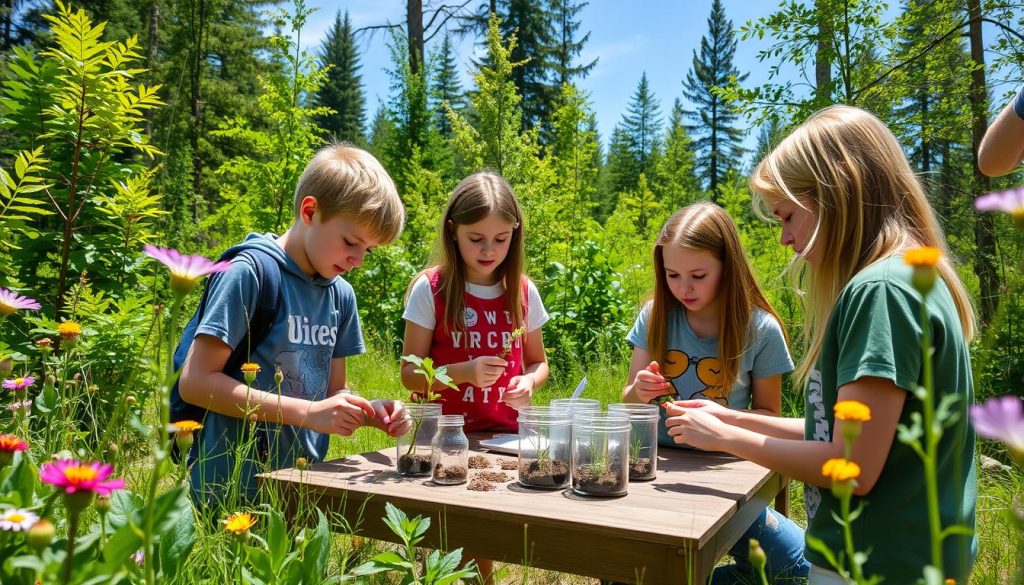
{"type": "Point", "coordinates": [875, 331]}
{"type": "Point", "coordinates": [692, 365]}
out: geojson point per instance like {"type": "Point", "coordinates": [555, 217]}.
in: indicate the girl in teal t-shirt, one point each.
{"type": "Point", "coordinates": [709, 332]}
{"type": "Point", "coordinates": [850, 207]}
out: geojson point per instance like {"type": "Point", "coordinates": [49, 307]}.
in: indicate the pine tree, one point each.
{"type": "Point", "coordinates": [566, 47]}
{"type": "Point", "coordinates": [676, 183]}
{"type": "Point", "coordinates": [635, 144]}
{"type": "Point", "coordinates": [343, 91]}
{"type": "Point", "coordinates": [717, 139]}
{"type": "Point", "coordinates": [445, 87]}
{"type": "Point", "coordinates": [531, 23]}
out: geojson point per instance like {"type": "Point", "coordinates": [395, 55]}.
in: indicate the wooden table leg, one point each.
{"type": "Point", "coordinates": [782, 499]}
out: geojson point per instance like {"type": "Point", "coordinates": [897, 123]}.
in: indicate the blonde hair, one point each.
{"type": "Point", "coordinates": [346, 180]}
{"type": "Point", "coordinates": [476, 197]}
{"type": "Point", "coordinates": [847, 166]}
{"type": "Point", "coordinates": [706, 227]}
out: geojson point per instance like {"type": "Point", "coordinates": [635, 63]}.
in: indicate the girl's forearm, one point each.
{"type": "Point", "coordinates": [538, 372]}
{"type": "Point", "coordinates": [767, 424]}
{"type": "Point", "coordinates": [797, 459]}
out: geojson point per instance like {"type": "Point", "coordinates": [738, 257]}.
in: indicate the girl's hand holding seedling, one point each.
{"type": "Point", "coordinates": [695, 427]}
{"type": "Point", "coordinates": [519, 391]}
{"type": "Point", "coordinates": [484, 371]}
{"type": "Point", "coordinates": [390, 418]}
{"type": "Point", "coordinates": [339, 414]}
{"type": "Point", "coordinates": [649, 384]}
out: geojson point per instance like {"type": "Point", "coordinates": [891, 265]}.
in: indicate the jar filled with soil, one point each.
{"type": "Point", "coordinates": [600, 453]}
{"type": "Point", "coordinates": [415, 446]}
{"type": "Point", "coordinates": [643, 439]}
{"type": "Point", "coordinates": [544, 441]}
{"type": "Point", "coordinates": [450, 455]}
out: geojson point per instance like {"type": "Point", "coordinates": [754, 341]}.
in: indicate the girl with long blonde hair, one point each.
{"type": "Point", "coordinates": [851, 208]}
{"type": "Point", "coordinates": [710, 333]}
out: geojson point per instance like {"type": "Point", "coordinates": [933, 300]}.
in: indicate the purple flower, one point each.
{"type": "Point", "coordinates": [186, 271]}
{"type": "Point", "coordinates": [19, 405]}
{"type": "Point", "coordinates": [72, 476]}
{"type": "Point", "coordinates": [19, 383]}
{"type": "Point", "coordinates": [11, 302]}
{"type": "Point", "coordinates": [1002, 419]}
{"type": "Point", "coordinates": [1011, 202]}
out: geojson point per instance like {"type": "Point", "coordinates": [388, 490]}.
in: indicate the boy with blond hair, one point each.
{"type": "Point", "coordinates": [345, 206]}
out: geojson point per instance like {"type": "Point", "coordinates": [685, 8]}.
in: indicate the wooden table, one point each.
{"type": "Point", "coordinates": [669, 530]}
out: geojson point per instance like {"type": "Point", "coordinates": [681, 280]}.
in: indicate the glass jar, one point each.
{"type": "Point", "coordinates": [415, 446]}
{"type": "Point", "coordinates": [600, 453]}
{"type": "Point", "coordinates": [450, 453]}
{"type": "Point", "coordinates": [643, 439]}
{"type": "Point", "coordinates": [544, 439]}
{"type": "Point", "coordinates": [576, 404]}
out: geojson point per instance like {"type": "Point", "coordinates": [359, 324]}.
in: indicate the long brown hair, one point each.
{"type": "Point", "coordinates": [706, 227]}
{"type": "Point", "coordinates": [476, 197]}
{"type": "Point", "coordinates": [848, 167]}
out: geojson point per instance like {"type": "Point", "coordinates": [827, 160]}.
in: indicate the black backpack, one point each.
{"type": "Point", "coordinates": [268, 302]}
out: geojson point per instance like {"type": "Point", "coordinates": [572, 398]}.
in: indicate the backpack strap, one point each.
{"type": "Point", "coordinates": [268, 303]}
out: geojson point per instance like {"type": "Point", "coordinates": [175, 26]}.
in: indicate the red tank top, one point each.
{"type": "Point", "coordinates": [488, 325]}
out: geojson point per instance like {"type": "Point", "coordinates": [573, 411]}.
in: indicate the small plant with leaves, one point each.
{"type": "Point", "coordinates": [437, 568]}
{"type": "Point", "coordinates": [516, 334]}
{"type": "Point", "coordinates": [424, 418]}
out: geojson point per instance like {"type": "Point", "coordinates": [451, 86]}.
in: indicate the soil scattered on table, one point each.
{"type": "Point", "coordinates": [494, 476]}
{"type": "Point", "coordinates": [479, 462]}
{"type": "Point", "coordinates": [480, 485]}
{"type": "Point", "coordinates": [508, 465]}
{"type": "Point", "coordinates": [450, 473]}
{"type": "Point", "coordinates": [544, 473]}
{"type": "Point", "coordinates": [414, 464]}
{"type": "Point", "coordinates": [640, 468]}
{"type": "Point", "coordinates": [597, 482]}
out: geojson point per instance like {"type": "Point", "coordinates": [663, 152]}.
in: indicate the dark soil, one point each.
{"type": "Point", "coordinates": [450, 473]}
{"type": "Point", "coordinates": [607, 482]}
{"type": "Point", "coordinates": [640, 468]}
{"type": "Point", "coordinates": [479, 462]}
{"type": "Point", "coordinates": [495, 476]}
{"type": "Point", "coordinates": [544, 473]}
{"type": "Point", "coordinates": [414, 464]}
{"type": "Point", "coordinates": [508, 465]}
{"type": "Point", "coordinates": [478, 484]}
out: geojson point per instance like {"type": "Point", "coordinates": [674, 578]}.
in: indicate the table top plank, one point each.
{"type": "Point", "coordinates": [694, 495]}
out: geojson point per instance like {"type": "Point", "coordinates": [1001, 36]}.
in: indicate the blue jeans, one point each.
{"type": "Point", "coordinates": [783, 544]}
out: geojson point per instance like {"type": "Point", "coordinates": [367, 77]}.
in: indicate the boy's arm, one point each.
{"type": "Point", "coordinates": [204, 384]}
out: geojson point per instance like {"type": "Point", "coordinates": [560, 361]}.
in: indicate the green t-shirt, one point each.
{"type": "Point", "coordinates": [875, 331]}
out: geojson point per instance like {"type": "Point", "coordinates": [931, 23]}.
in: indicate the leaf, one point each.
{"type": "Point", "coordinates": [176, 543]}
{"type": "Point", "coordinates": [278, 542]}
{"type": "Point", "coordinates": [314, 556]}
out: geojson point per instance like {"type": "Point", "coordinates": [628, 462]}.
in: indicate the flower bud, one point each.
{"type": "Point", "coordinates": [130, 400]}
{"type": "Point", "coordinates": [278, 376]}
{"type": "Point", "coordinates": [102, 504]}
{"type": "Point", "coordinates": [41, 535]}
{"type": "Point", "coordinates": [112, 448]}
{"type": "Point", "coordinates": [301, 463]}
{"type": "Point", "coordinates": [183, 441]}
{"type": "Point", "coordinates": [757, 557]}
{"type": "Point", "coordinates": [78, 501]}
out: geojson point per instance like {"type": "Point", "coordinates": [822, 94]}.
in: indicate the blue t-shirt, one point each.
{"type": "Point", "coordinates": [316, 323]}
{"type": "Point", "coordinates": [692, 365]}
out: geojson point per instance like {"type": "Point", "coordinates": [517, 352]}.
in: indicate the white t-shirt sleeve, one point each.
{"type": "Point", "coordinates": [419, 309]}
{"type": "Point", "coordinates": [536, 314]}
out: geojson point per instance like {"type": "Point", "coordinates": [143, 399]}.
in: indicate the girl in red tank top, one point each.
{"type": "Point", "coordinates": [462, 312]}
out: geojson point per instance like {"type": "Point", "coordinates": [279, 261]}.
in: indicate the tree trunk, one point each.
{"type": "Point", "coordinates": [414, 30]}
{"type": "Point", "coordinates": [823, 59]}
{"type": "Point", "coordinates": [152, 45]}
{"type": "Point", "coordinates": [984, 232]}
{"type": "Point", "coordinates": [198, 54]}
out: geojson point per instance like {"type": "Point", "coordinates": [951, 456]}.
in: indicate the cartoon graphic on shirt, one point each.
{"type": "Point", "coordinates": [708, 371]}
{"type": "Point", "coordinates": [305, 371]}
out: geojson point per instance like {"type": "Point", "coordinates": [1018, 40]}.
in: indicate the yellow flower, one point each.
{"type": "Point", "coordinates": [840, 470]}
{"type": "Point", "coordinates": [852, 410]}
{"type": "Point", "coordinates": [69, 330]}
{"type": "Point", "coordinates": [925, 256]}
{"type": "Point", "coordinates": [249, 371]}
{"type": "Point", "coordinates": [925, 261]}
{"type": "Point", "coordinates": [187, 426]}
{"type": "Point", "coordinates": [239, 523]}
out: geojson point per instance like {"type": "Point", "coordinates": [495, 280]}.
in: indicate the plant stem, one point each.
{"type": "Point", "coordinates": [931, 438]}
{"type": "Point", "coordinates": [844, 503]}
{"type": "Point", "coordinates": [70, 560]}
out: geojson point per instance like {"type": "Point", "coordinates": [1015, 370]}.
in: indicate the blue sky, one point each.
{"type": "Point", "coordinates": [658, 38]}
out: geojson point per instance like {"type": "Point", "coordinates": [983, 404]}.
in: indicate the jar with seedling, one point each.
{"type": "Point", "coordinates": [544, 443]}
{"type": "Point", "coordinates": [600, 453]}
{"type": "Point", "coordinates": [643, 439]}
{"type": "Point", "coordinates": [450, 451]}
{"type": "Point", "coordinates": [415, 447]}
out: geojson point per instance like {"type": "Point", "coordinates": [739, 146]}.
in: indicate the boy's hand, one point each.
{"type": "Point", "coordinates": [650, 384]}
{"type": "Point", "coordinates": [340, 414]}
{"type": "Point", "coordinates": [484, 371]}
{"type": "Point", "coordinates": [390, 417]}
{"type": "Point", "coordinates": [519, 391]}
